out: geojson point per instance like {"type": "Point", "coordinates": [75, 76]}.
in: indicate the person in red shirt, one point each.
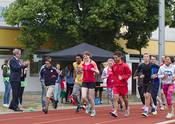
{"type": "Point", "coordinates": [121, 74]}
{"type": "Point", "coordinates": [88, 85]}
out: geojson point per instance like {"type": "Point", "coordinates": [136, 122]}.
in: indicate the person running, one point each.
{"type": "Point", "coordinates": [139, 83]}
{"type": "Point", "coordinates": [6, 73]}
{"type": "Point", "coordinates": [50, 76]}
{"type": "Point", "coordinates": [145, 70]}
{"type": "Point", "coordinates": [69, 81]}
{"type": "Point", "coordinates": [43, 88]}
{"type": "Point", "coordinates": [57, 88]}
{"type": "Point", "coordinates": [78, 76]}
{"type": "Point", "coordinates": [107, 77]}
{"type": "Point", "coordinates": [156, 84]}
{"type": "Point", "coordinates": [88, 85]}
{"type": "Point", "coordinates": [161, 96]}
{"type": "Point", "coordinates": [167, 75]}
{"type": "Point", "coordinates": [122, 73]}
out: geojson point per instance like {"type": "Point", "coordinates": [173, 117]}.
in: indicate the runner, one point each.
{"type": "Point", "coordinates": [50, 76]}
{"type": "Point", "coordinates": [78, 76]}
{"type": "Point", "coordinates": [167, 75]}
{"type": "Point", "coordinates": [121, 73]}
{"type": "Point", "coordinates": [88, 85]}
{"type": "Point", "coordinates": [145, 70]}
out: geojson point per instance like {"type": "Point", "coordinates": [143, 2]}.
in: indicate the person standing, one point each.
{"type": "Point", "coordinates": [15, 78]}
{"type": "Point", "coordinates": [23, 85]}
{"type": "Point", "coordinates": [88, 85]}
{"type": "Point", "coordinates": [122, 73]}
{"type": "Point", "coordinates": [6, 72]}
{"type": "Point", "coordinates": [78, 76]}
{"type": "Point", "coordinates": [50, 77]}
{"type": "Point", "coordinates": [167, 75]}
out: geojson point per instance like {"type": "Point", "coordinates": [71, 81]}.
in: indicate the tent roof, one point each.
{"type": "Point", "coordinates": [68, 54]}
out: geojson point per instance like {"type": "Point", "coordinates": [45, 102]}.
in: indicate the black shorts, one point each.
{"type": "Point", "coordinates": [147, 87]}
{"type": "Point", "coordinates": [89, 85]}
{"type": "Point", "coordinates": [98, 88]}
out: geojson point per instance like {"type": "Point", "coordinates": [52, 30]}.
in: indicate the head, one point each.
{"type": "Point", "coordinates": [153, 60]}
{"type": "Point", "coordinates": [163, 59]}
{"type": "Point", "coordinates": [58, 66]}
{"type": "Point", "coordinates": [146, 57]}
{"type": "Point", "coordinates": [48, 63]}
{"type": "Point", "coordinates": [110, 62]}
{"type": "Point", "coordinates": [86, 56]}
{"type": "Point", "coordinates": [117, 56]}
{"type": "Point", "coordinates": [78, 58]}
{"type": "Point", "coordinates": [17, 53]}
{"type": "Point", "coordinates": [48, 58]}
{"type": "Point", "coordinates": [6, 61]}
{"type": "Point", "coordinates": [169, 60]}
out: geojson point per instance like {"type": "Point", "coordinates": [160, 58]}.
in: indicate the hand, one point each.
{"type": "Point", "coordinates": [154, 76]}
{"type": "Point", "coordinates": [136, 77]}
{"type": "Point", "coordinates": [165, 77]}
{"type": "Point", "coordinates": [92, 69]}
{"type": "Point", "coordinates": [142, 76]}
{"type": "Point", "coordinates": [120, 77]}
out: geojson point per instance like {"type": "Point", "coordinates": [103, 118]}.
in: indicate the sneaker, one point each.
{"type": "Point", "coordinates": [162, 108]}
{"type": "Point", "coordinates": [114, 114]}
{"type": "Point", "coordinates": [88, 109]}
{"type": "Point", "coordinates": [145, 114]}
{"type": "Point", "coordinates": [78, 108]}
{"type": "Point", "coordinates": [126, 113]}
{"type": "Point", "coordinates": [169, 115]}
{"type": "Point", "coordinates": [93, 113]}
{"type": "Point", "coordinates": [45, 111]}
{"type": "Point", "coordinates": [6, 105]}
{"type": "Point", "coordinates": [55, 104]}
{"type": "Point", "coordinates": [153, 111]}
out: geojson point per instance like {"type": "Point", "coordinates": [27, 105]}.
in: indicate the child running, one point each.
{"type": "Point", "coordinates": [107, 75]}
{"type": "Point", "coordinates": [50, 76]}
{"type": "Point", "coordinates": [167, 74]}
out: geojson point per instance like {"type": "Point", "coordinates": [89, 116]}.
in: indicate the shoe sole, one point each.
{"type": "Point", "coordinates": [113, 115]}
{"type": "Point", "coordinates": [144, 115]}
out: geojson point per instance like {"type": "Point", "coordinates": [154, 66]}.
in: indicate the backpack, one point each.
{"type": "Point", "coordinates": [5, 70]}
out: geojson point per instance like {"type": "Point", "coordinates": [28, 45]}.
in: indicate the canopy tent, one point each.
{"type": "Point", "coordinates": [98, 54]}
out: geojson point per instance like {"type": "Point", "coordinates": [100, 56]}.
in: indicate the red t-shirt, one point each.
{"type": "Point", "coordinates": [110, 78]}
{"type": "Point", "coordinates": [123, 70]}
{"type": "Point", "coordinates": [88, 74]}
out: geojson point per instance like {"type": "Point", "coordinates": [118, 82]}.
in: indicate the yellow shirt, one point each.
{"type": "Point", "coordinates": [79, 72]}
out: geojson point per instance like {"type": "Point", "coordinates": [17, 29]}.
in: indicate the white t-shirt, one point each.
{"type": "Point", "coordinates": [167, 70]}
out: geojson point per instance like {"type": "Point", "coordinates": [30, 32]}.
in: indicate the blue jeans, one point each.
{"type": "Point", "coordinates": [6, 97]}
{"type": "Point", "coordinates": [43, 94]}
{"type": "Point", "coordinates": [57, 92]}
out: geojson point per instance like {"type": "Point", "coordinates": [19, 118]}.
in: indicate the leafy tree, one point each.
{"type": "Point", "coordinates": [98, 22]}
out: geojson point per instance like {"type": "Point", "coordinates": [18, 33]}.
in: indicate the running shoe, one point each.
{"type": "Point", "coordinates": [93, 113]}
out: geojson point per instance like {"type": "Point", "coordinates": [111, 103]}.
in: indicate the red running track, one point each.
{"type": "Point", "coordinates": [70, 117]}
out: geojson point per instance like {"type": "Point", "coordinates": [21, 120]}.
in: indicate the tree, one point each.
{"type": "Point", "coordinates": [98, 22]}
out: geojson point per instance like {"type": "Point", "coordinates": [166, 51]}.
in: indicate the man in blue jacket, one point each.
{"type": "Point", "coordinates": [15, 78]}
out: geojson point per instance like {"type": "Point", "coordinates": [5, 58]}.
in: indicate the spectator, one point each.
{"type": "Point", "coordinates": [6, 72]}
{"type": "Point", "coordinates": [15, 78]}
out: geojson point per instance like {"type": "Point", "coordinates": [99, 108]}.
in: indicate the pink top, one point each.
{"type": "Point", "coordinates": [88, 74]}
{"type": "Point", "coordinates": [110, 79]}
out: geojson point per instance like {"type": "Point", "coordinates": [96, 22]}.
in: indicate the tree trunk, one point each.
{"type": "Point", "coordinates": [140, 55]}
